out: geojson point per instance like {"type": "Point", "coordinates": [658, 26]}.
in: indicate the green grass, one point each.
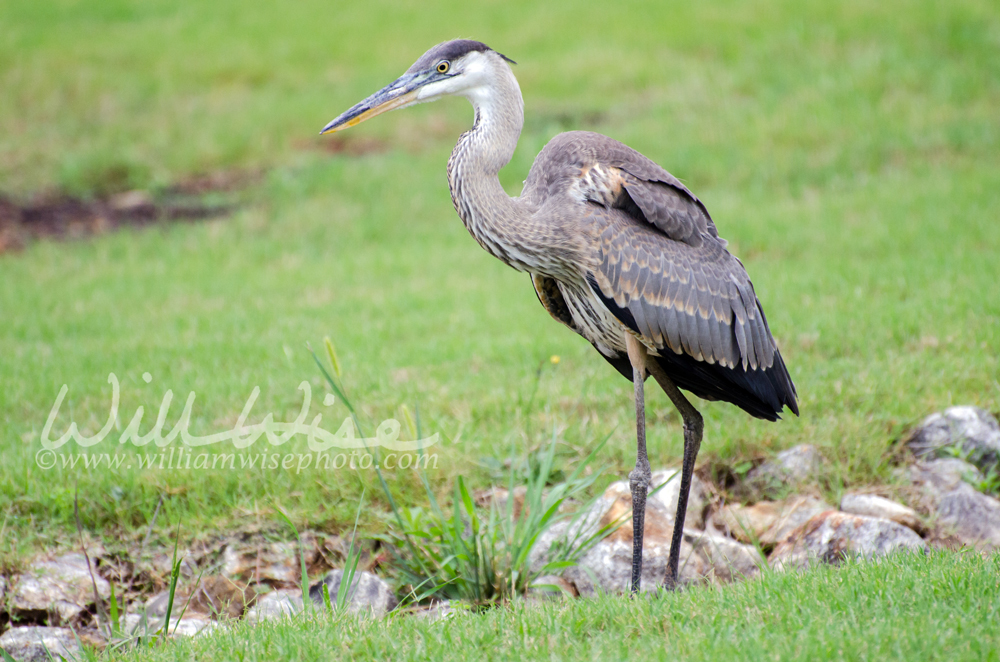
{"type": "Point", "coordinates": [942, 607]}
{"type": "Point", "coordinates": [847, 151]}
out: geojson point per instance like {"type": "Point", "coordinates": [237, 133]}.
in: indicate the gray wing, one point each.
{"type": "Point", "coordinates": [604, 171]}
{"type": "Point", "coordinates": [658, 256]}
{"type": "Point", "coordinates": [697, 301]}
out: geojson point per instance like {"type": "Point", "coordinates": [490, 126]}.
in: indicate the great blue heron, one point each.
{"type": "Point", "coordinates": [618, 250]}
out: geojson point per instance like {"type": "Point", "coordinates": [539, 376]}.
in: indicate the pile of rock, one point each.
{"type": "Point", "coordinates": [958, 456]}
{"type": "Point", "coordinates": [57, 603]}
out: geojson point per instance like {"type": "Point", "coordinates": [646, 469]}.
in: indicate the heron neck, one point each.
{"type": "Point", "coordinates": [494, 219]}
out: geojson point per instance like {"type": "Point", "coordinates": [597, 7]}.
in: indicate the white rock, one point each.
{"type": "Point", "coordinates": [40, 644]}
{"type": "Point", "coordinates": [799, 464]}
{"type": "Point", "coordinates": [439, 611]}
{"type": "Point", "coordinates": [871, 505]}
{"type": "Point", "coordinates": [694, 517]}
{"type": "Point", "coordinates": [831, 536]}
{"type": "Point", "coordinates": [938, 477]}
{"type": "Point", "coordinates": [961, 512]}
{"type": "Point", "coordinates": [282, 603]}
{"type": "Point", "coordinates": [971, 516]}
{"type": "Point", "coordinates": [607, 567]}
{"type": "Point", "coordinates": [768, 522]}
{"type": "Point", "coordinates": [63, 588]}
{"type": "Point", "coordinates": [368, 593]}
{"type": "Point", "coordinates": [728, 559]}
{"type": "Point", "coordinates": [974, 431]}
{"type": "Point", "coordinates": [272, 562]}
{"type": "Point", "coordinates": [188, 626]}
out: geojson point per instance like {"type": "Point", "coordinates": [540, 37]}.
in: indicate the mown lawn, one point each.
{"type": "Point", "coordinates": [847, 151]}
{"type": "Point", "coordinates": [942, 607]}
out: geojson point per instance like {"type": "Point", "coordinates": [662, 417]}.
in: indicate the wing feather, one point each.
{"type": "Point", "coordinates": [659, 266]}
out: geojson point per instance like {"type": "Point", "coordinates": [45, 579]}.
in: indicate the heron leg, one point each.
{"type": "Point", "coordinates": [693, 428]}
{"type": "Point", "coordinates": [640, 476]}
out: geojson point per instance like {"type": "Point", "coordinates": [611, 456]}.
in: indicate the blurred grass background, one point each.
{"type": "Point", "coordinates": [848, 152]}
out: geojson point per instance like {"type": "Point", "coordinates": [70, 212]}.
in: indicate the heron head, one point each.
{"type": "Point", "coordinates": [460, 67]}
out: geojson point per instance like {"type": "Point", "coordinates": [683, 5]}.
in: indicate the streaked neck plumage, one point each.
{"type": "Point", "coordinates": [502, 225]}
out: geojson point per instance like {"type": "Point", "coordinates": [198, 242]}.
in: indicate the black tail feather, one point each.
{"type": "Point", "coordinates": [760, 393]}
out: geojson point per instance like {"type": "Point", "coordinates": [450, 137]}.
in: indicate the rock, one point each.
{"type": "Point", "coordinates": [60, 589]}
{"type": "Point", "coordinates": [439, 611]}
{"type": "Point", "coordinates": [963, 515]}
{"type": "Point", "coordinates": [938, 477]}
{"type": "Point", "coordinates": [969, 430]}
{"type": "Point", "coordinates": [970, 516]}
{"type": "Point", "coordinates": [215, 596]}
{"type": "Point", "coordinates": [222, 597]}
{"type": "Point", "coordinates": [160, 564]}
{"type": "Point", "coordinates": [577, 529]}
{"type": "Point", "coordinates": [728, 559]}
{"type": "Point", "coordinates": [188, 626]}
{"type": "Point", "coordinates": [792, 466]}
{"type": "Point", "coordinates": [881, 508]}
{"type": "Point", "coordinates": [277, 564]}
{"type": "Point", "coordinates": [694, 517]}
{"type": "Point", "coordinates": [367, 593]}
{"type": "Point", "coordinates": [768, 522]}
{"type": "Point", "coordinates": [36, 643]}
{"type": "Point", "coordinates": [607, 567]}
{"type": "Point", "coordinates": [831, 536]}
{"type": "Point", "coordinates": [281, 603]}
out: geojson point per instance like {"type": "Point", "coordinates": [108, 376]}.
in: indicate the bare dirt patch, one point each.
{"type": "Point", "coordinates": [67, 217]}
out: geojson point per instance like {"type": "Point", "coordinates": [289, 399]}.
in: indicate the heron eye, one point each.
{"type": "Point", "coordinates": [443, 66]}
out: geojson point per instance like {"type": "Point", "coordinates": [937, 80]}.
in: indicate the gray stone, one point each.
{"type": "Point", "coordinates": [40, 644]}
{"type": "Point", "coordinates": [728, 559]}
{"type": "Point", "coordinates": [793, 466]}
{"type": "Point", "coordinates": [439, 611]}
{"type": "Point", "coordinates": [831, 536]}
{"type": "Point", "coordinates": [282, 603]}
{"type": "Point", "coordinates": [768, 522]}
{"type": "Point", "coordinates": [579, 527]}
{"type": "Point", "coordinates": [962, 515]}
{"type": "Point", "coordinates": [970, 516]}
{"type": "Point", "coordinates": [188, 626]}
{"type": "Point", "coordinates": [161, 564]}
{"type": "Point", "coordinates": [694, 517]}
{"type": "Point", "coordinates": [871, 505]}
{"type": "Point", "coordinates": [275, 562]}
{"type": "Point", "coordinates": [191, 626]}
{"type": "Point", "coordinates": [251, 561]}
{"type": "Point", "coordinates": [615, 505]}
{"type": "Point", "coordinates": [62, 589]}
{"type": "Point", "coordinates": [970, 431]}
{"type": "Point", "coordinates": [607, 567]}
{"type": "Point", "coordinates": [367, 593]}
{"type": "Point", "coordinates": [217, 596]}
{"type": "Point", "coordinates": [938, 477]}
